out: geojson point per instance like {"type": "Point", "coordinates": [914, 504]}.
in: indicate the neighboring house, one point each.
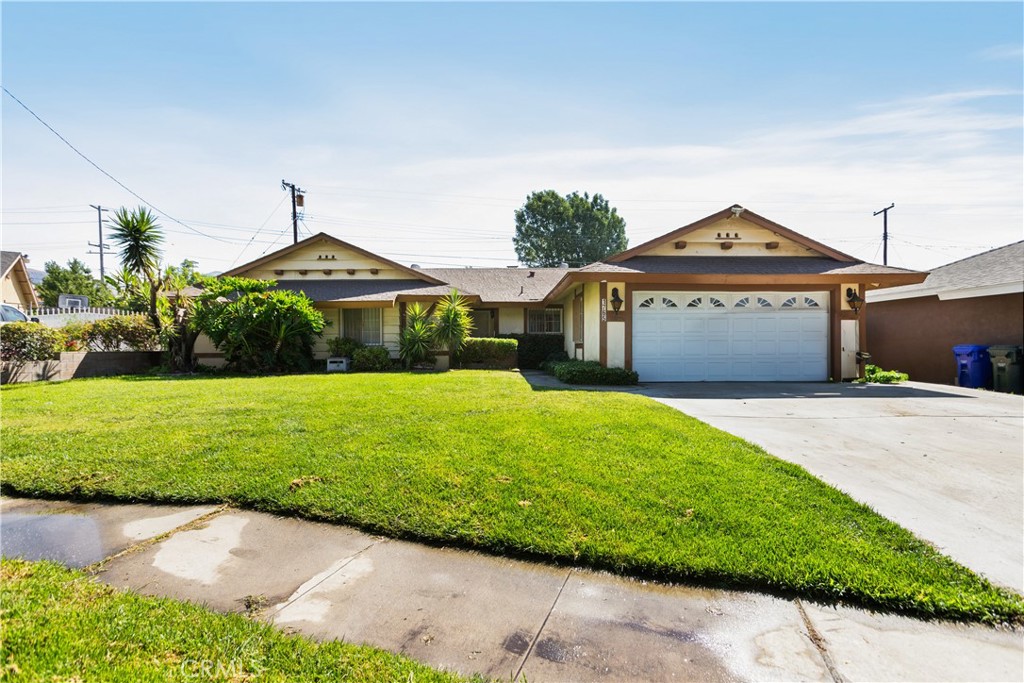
{"type": "Point", "coordinates": [17, 289]}
{"type": "Point", "coordinates": [978, 300]}
{"type": "Point", "coordinates": [731, 297]}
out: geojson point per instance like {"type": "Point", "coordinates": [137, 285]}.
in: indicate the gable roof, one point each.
{"type": "Point", "coordinates": [745, 214]}
{"type": "Point", "coordinates": [999, 271]}
{"type": "Point", "coordinates": [13, 263]}
{"type": "Point", "coordinates": [323, 236]}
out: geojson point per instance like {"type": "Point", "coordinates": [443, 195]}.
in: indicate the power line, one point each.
{"type": "Point", "coordinates": [97, 167]}
{"type": "Point", "coordinates": [258, 230]}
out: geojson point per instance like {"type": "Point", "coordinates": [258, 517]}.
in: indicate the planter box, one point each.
{"type": "Point", "coordinates": [78, 364]}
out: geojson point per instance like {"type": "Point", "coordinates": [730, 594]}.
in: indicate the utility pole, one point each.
{"type": "Point", "coordinates": [102, 247]}
{"type": "Point", "coordinates": [885, 233]}
{"type": "Point", "coordinates": [297, 200]}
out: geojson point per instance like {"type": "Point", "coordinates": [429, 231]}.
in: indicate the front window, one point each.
{"type": "Point", "coordinates": [363, 325]}
{"type": "Point", "coordinates": [545, 321]}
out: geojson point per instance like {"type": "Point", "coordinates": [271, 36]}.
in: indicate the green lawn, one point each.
{"type": "Point", "coordinates": [478, 458]}
{"type": "Point", "coordinates": [61, 625]}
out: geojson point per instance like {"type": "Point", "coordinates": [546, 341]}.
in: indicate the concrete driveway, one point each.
{"type": "Point", "coordinates": [944, 462]}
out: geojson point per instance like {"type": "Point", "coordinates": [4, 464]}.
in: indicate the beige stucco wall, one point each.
{"type": "Point", "coordinates": [591, 321]}
{"type": "Point", "coordinates": [751, 241]}
{"type": "Point", "coordinates": [11, 293]}
{"type": "Point", "coordinates": [316, 258]}
{"type": "Point", "coordinates": [616, 344]}
{"type": "Point", "coordinates": [510, 320]}
{"type": "Point", "coordinates": [843, 303]}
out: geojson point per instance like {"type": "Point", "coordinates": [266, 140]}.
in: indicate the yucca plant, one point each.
{"type": "Point", "coordinates": [417, 339]}
{"type": "Point", "coordinates": [452, 322]}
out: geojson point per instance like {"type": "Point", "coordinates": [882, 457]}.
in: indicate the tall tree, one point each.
{"type": "Point", "coordinates": [75, 279]}
{"type": "Point", "coordinates": [575, 229]}
{"type": "Point", "coordinates": [138, 236]}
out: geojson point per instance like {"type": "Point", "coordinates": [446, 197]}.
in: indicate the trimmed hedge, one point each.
{"type": "Point", "coordinates": [489, 352]}
{"type": "Point", "coordinates": [27, 342]}
{"type": "Point", "coordinates": [371, 359]}
{"type": "Point", "coordinates": [121, 333]}
{"type": "Point", "coordinates": [534, 349]}
{"type": "Point", "coordinates": [591, 372]}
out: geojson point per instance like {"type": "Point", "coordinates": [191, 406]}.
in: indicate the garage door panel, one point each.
{"type": "Point", "coordinates": [707, 343]}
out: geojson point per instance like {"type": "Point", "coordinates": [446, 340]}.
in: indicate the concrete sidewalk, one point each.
{"type": "Point", "coordinates": [503, 618]}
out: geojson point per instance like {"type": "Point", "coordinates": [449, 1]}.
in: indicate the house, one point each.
{"type": "Point", "coordinates": [731, 297]}
{"type": "Point", "coordinates": [17, 289]}
{"type": "Point", "coordinates": [977, 300]}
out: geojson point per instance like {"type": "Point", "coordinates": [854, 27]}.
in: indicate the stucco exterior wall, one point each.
{"type": "Point", "coordinates": [11, 294]}
{"type": "Point", "coordinates": [510, 320]}
{"type": "Point", "coordinates": [917, 335]}
{"type": "Point", "coordinates": [592, 321]}
{"type": "Point", "coordinates": [316, 258]}
{"type": "Point", "coordinates": [749, 240]}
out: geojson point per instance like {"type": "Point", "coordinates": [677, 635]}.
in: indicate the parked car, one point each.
{"type": "Point", "coordinates": [10, 314]}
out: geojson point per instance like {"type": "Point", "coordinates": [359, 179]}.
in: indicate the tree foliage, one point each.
{"type": "Point", "coordinates": [76, 278]}
{"type": "Point", "coordinates": [258, 330]}
{"type": "Point", "coordinates": [575, 229]}
{"type": "Point", "coordinates": [139, 236]}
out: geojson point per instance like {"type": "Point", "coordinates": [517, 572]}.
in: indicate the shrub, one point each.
{"type": "Point", "coordinates": [416, 341]}
{"type": "Point", "coordinates": [371, 359]}
{"type": "Point", "coordinates": [26, 342]}
{"type": "Point", "coordinates": [452, 323]}
{"type": "Point", "coordinates": [591, 372]}
{"type": "Point", "coordinates": [264, 331]}
{"type": "Point", "coordinates": [343, 347]}
{"type": "Point", "coordinates": [534, 349]}
{"type": "Point", "coordinates": [496, 353]}
{"type": "Point", "coordinates": [122, 333]}
{"type": "Point", "coordinates": [875, 374]}
{"type": "Point", "coordinates": [76, 335]}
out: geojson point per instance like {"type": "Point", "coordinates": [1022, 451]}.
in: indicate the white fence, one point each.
{"type": "Point", "coordinates": [59, 317]}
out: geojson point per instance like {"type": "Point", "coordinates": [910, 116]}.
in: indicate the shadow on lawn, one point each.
{"type": "Point", "coordinates": [540, 381]}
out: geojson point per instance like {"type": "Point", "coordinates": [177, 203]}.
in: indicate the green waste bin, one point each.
{"type": "Point", "coordinates": [1006, 368]}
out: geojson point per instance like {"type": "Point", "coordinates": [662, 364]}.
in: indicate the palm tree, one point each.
{"type": "Point", "coordinates": [138, 236]}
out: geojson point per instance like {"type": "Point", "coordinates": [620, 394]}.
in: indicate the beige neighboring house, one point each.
{"type": "Point", "coordinates": [730, 297]}
{"type": "Point", "coordinates": [17, 289]}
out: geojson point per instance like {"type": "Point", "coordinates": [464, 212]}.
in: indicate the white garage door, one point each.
{"type": "Point", "coordinates": [730, 337]}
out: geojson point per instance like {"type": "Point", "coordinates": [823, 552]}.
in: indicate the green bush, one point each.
{"type": "Point", "coordinates": [876, 375]}
{"type": "Point", "coordinates": [416, 343]}
{"type": "Point", "coordinates": [121, 333]}
{"type": "Point", "coordinates": [76, 335]}
{"type": "Point", "coordinates": [371, 359]}
{"type": "Point", "coordinates": [534, 349]}
{"type": "Point", "coordinates": [262, 332]}
{"type": "Point", "coordinates": [490, 352]}
{"type": "Point", "coordinates": [26, 342]}
{"type": "Point", "coordinates": [343, 347]}
{"type": "Point", "coordinates": [591, 372]}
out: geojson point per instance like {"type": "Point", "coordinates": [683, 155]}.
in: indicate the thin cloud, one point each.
{"type": "Point", "coordinates": [1002, 52]}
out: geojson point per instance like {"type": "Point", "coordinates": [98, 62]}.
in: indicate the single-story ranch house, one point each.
{"type": "Point", "coordinates": [731, 297]}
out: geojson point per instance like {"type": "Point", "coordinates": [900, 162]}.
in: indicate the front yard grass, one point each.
{"type": "Point", "coordinates": [61, 625]}
{"type": "Point", "coordinates": [479, 459]}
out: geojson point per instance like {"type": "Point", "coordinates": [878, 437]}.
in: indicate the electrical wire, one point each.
{"type": "Point", "coordinates": [97, 167]}
{"type": "Point", "coordinates": [259, 230]}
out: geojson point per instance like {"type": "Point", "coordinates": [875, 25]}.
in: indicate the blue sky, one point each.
{"type": "Point", "coordinates": [417, 129]}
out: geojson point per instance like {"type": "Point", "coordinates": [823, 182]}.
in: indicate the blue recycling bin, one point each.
{"type": "Point", "coordinates": [973, 367]}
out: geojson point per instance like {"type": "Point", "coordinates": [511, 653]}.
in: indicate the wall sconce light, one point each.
{"type": "Point", "coordinates": [616, 300]}
{"type": "Point", "coordinates": [852, 298]}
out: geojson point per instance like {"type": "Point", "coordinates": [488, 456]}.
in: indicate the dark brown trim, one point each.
{"type": "Point", "coordinates": [526, 320]}
{"type": "Point", "coordinates": [748, 216]}
{"type": "Point", "coordinates": [401, 316]}
{"type": "Point", "coordinates": [628, 341]}
{"type": "Point", "coordinates": [497, 320]}
{"type": "Point", "coordinates": [726, 282]}
{"type": "Point", "coordinates": [862, 330]}
{"type": "Point", "coordinates": [835, 352]}
{"type": "Point", "coordinates": [602, 310]}
{"type": "Point", "coordinates": [329, 305]}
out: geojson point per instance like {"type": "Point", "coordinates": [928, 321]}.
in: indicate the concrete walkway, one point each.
{"type": "Point", "coordinates": [503, 618]}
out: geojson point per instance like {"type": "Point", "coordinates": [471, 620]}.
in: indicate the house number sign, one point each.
{"type": "Point", "coordinates": [604, 310]}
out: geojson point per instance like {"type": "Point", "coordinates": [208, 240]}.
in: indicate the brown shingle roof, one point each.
{"type": "Point", "coordinates": [502, 285]}
{"type": "Point", "coordinates": [1002, 266]}
{"type": "Point", "coordinates": [384, 291]}
{"type": "Point", "coordinates": [740, 265]}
